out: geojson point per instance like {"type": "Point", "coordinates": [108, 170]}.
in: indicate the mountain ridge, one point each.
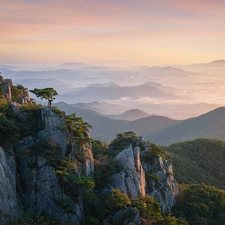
{"type": "Point", "coordinates": [208, 125]}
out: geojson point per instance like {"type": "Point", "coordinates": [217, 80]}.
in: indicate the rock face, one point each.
{"type": "Point", "coordinates": [25, 98]}
{"type": "Point", "coordinates": [28, 179]}
{"type": "Point", "coordinates": [34, 181]}
{"type": "Point", "coordinates": [52, 132]}
{"type": "Point", "coordinates": [88, 163]}
{"type": "Point", "coordinates": [121, 217]}
{"type": "Point", "coordinates": [7, 86]}
{"type": "Point", "coordinates": [9, 206]}
{"type": "Point", "coordinates": [131, 181]}
{"type": "Point", "coordinates": [163, 185]}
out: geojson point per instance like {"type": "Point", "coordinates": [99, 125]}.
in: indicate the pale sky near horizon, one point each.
{"type": "Point", "coordinates": [142, 31]}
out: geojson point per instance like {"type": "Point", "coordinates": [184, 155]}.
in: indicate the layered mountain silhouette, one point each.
{"type": "Point", "coordinates": [105, 128]}
{"type": "Point", "coordinates": [113, 91]}
{"type": "Point", "coordinates": [158, 129]}
{"type": "Point", "coordinates": [130, 115]}
{"type": "Point", "coordinates": [209, 125]}
{"type": "Point", "coordinates": [102, 107]}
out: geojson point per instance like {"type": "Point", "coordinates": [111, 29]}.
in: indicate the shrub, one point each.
{"type": "Point", "coordinates": [117, 201]}
{"type": "Point", "coordinates": [124, 140]}
{"type": "Point", "coordinates": [148, 207]}
{"type": "Point", "coordinates": [31, 217]}
{"type": "Point", "coordinates": [100, 150]}
{"type": "Point", "coordinates": [9, 130]}
{"type": "Point", "coordinates": [77, 129]}
{"type": "Point", "coordinates": [104, 171]}
{"type": "Point", "coordinates": [149, 177]}
{"type": "Point", "coordinates": [58, 111]}
{"type": "Point", "coordinates": [153, 152]}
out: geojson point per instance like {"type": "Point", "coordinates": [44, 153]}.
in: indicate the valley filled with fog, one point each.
{"type": "Point", "coordinates": [178, 92]}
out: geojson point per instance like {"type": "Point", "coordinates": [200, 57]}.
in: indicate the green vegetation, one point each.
{"type": "Point", "coordinates": [1, 92]}
{"type": "Point", "coordinates": [1, 78]}
{"type": "Point", "coordinates": [30, 217]}
{"type": "Point", "coordinates": [171, 220]}
{"type": "Point", "coordinates": [77, 129]}
{"type": "Point", "coordinates": [105, 165]}
{"type": "Point", "coordinates": [201, 204]}
{"type": "Point", "coordinates": [148, 207]}
{"type": "Point", "coordinates": [18, 92]}
{"type": "Point", "coordinates": [9, 131]}
{"type": "Point", "coordinates": [58, 111]}
{"type": "Point", "coordinates": [45, 93]}
{"type": "Point", "coordinates": [196, 161]}
{"type": "Point", "coordinates": [124, 140]}
{"type": "Point", "coordinates": [100, 150]}
{"type": "Point", "coordinates": [14, 127]}
{"type": "Point", "coordinates": [201, 160]}
{"type": "Point", "coordinates": [153, 152]}
{"type": "Point", "coordinates": [31, 122]}
{"type": "Point", "coordinates": [117, 200]}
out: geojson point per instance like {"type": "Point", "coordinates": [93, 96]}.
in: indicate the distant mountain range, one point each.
{"type": "Point", "coordinates": [167, 91]}
{"type": "Point", "coordinates": [158, 129]}
{"type": "Point", "coordinates": [130, 115]}
{"type": "Point", "coordinates": [102, 107]}
{"type": "Point", "coordinates": [209, 125]}
{"type": "Point", "coordinates": [220, 62]}
{"type": "Point", "coordinates": [179, 112]}
{"type": "Point", "coordinates": [113, 91]}
{"type": "Point", "coordinates": [105, 128]}
{"type": "Point", "coordinates": [214, 67]}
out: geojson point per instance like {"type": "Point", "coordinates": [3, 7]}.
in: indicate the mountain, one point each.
{"type": "Point", "coordinates": [215, 67]}
{"type": "Point", "coordinates": [70, 77]}
{"type": "Point", "coordinates": [174, 111]}
{"type": "Point", "coordinates": [102, 107]}
{"type": "Point", "coordinates": [49, 172]}
{"type": "Point", "coordinates": [220, 62]}
{"type": "Point", "coordinates": [106, 129]}
{"type": "Point", "coordinates": [209, 125]}
{"type": "Point", "coordinates": [195, 162]}
{"type": "Point", "coordinates": [112, 91]}
{"type": "Point", "coordinates": [157, 71]}
{"type": "Point", "coordinates": [130, 115]}
{"type": "Point", "coordinates": [74, 66]}
{"type": "Point", "coordinates": [42, 83]}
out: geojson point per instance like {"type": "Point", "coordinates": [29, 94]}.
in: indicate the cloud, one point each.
{"type": "Point", "coordinates": [131, 26]}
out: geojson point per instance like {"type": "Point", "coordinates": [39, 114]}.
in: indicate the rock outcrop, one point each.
{"type": "Point", "coordinates": [7, 85]}
{"type": "Point", "coordinates": [51, 132]}
{"type": "Point", "coordinates": [31, 182]}
{"type": "Point", "coordinates": [131, 180]}
{"type": "Point", "coordinates": [39, 173]}
{"type": "Point", "coordinates": [127, 216]}
{"type": "Point", "coordinates": [25, 98]}
{"type": "Point", "coordinates": [162, 184]}
{"type": "Point", "coordinates": [9, 207]}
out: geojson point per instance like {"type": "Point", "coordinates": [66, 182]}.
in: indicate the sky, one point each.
{"type": "Point", "coordinates": [150, 32]}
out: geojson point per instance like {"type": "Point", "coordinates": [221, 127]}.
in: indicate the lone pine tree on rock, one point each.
{"type": "Point", "coordinates": [45, 93]}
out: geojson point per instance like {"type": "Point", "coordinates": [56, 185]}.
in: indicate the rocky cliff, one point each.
{"type": "Point", "coordinates": [50, 169]}
{"type": "Point", "coordinates": [9, 206]}
{"type": "Point", "coordinates": [18, 93]}
{"type": "Point", "coordinates": [7, 85]}
{"type": "Point", "coordinates": [161, 183]}
{"type": "Point", "coordinates": [131, 180]}
{"type": "Point", "coordinates": [28, 169]}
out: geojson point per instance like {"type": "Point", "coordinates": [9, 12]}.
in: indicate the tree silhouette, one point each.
{"type": "Point", "coordinates": [45, 93]}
